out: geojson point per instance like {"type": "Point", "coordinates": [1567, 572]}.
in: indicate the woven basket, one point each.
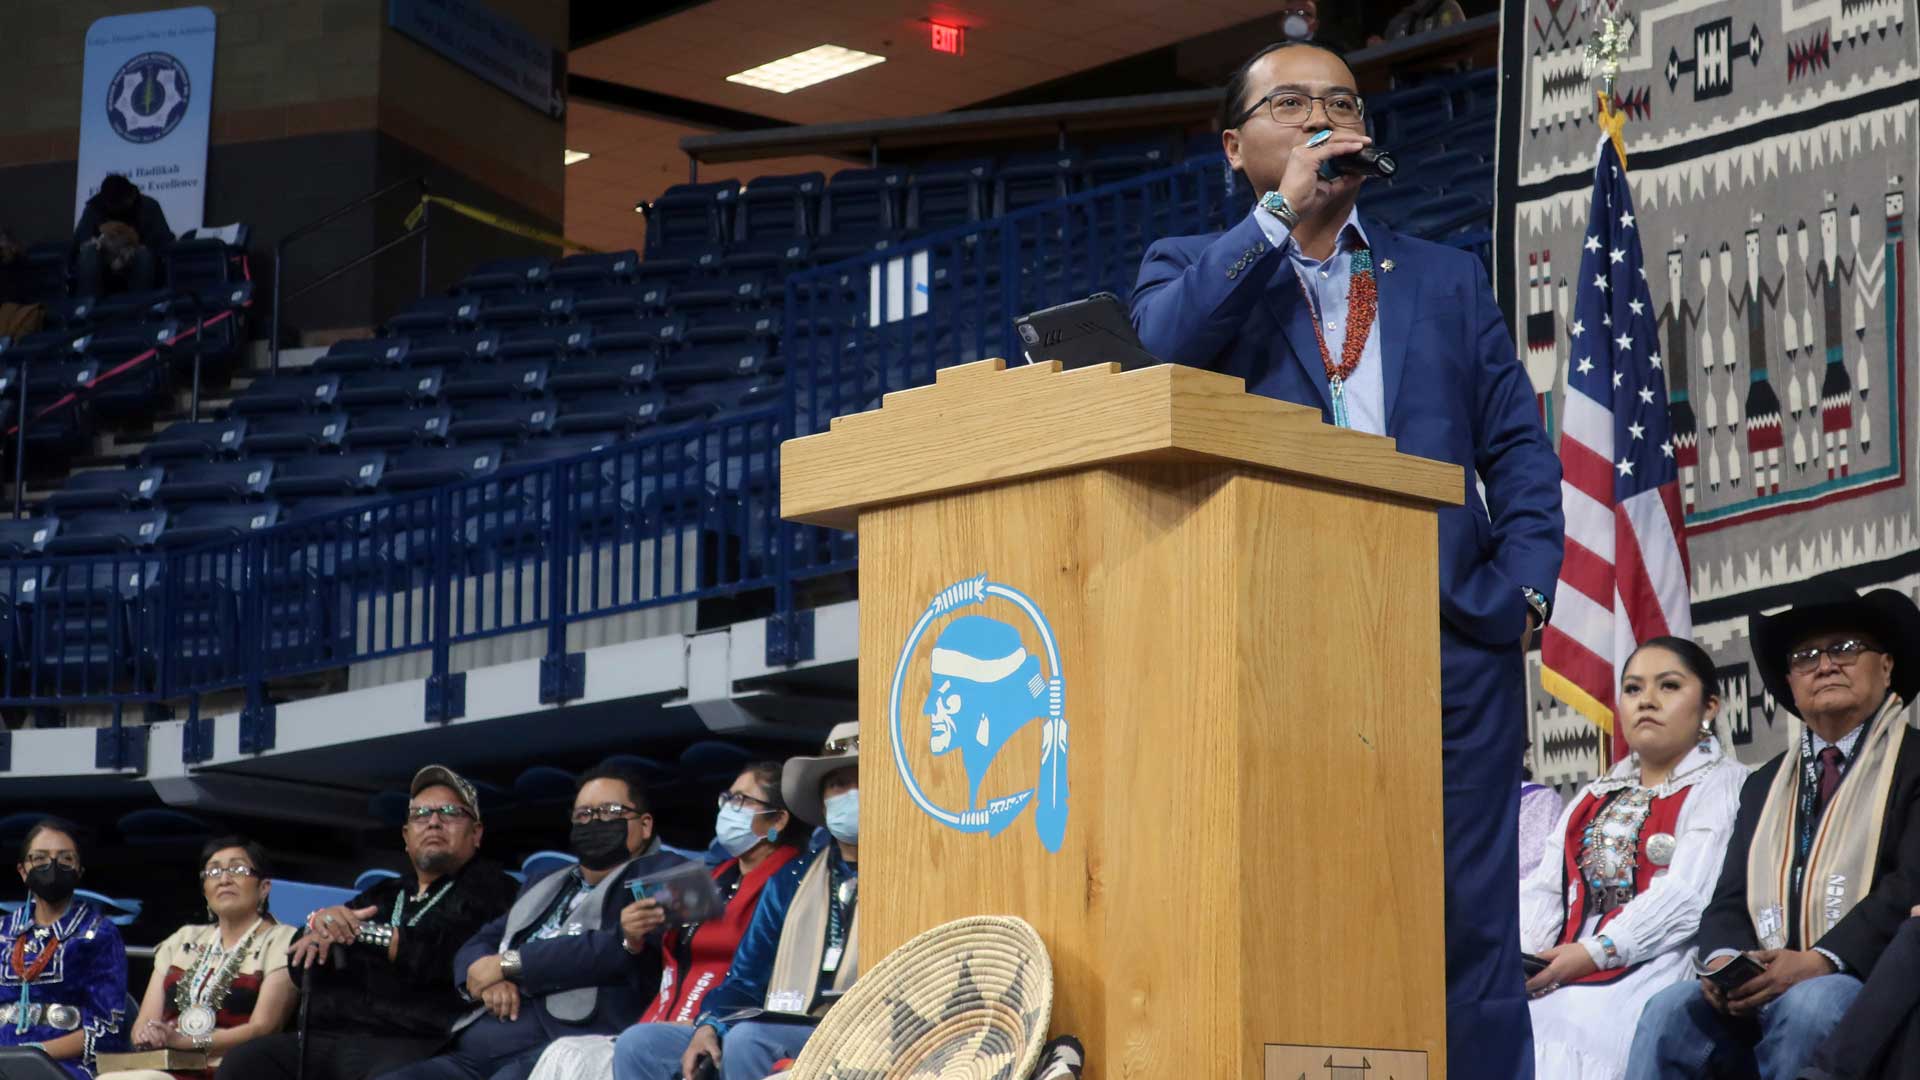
{"type": "Point", "coordinates": [969, 1000]}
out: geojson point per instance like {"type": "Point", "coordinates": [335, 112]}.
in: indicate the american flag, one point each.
{"type": "Point", "coordinates": [1624, 578]}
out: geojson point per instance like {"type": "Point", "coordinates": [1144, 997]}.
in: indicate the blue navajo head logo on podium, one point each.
{"type": "Point", "coordinates": [985, 688]}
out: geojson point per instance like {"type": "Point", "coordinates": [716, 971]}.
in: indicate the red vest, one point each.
{"type": "Point", "coordinates": [1662, 817]}
{"type": "Point", "coordinates": [713, 945]}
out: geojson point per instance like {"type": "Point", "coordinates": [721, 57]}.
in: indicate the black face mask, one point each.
{"type": "Point", "coordinates": [53, 882]}
{"type": "Point", "coordinates": [599, 845]}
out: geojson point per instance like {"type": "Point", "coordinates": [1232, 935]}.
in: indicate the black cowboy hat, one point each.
{"type": "Point", "coordinates": [1827, 603]}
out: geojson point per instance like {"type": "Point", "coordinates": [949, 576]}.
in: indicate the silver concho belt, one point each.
{"type": "Point", "coordinates": [59, 1017]}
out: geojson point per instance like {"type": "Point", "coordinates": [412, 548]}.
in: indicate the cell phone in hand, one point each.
{"type": "Point", "coordinates": [1533, 965]}
{"type": "Point", "coordinates": [1736, 973]}
{"type": "Point", "coordinates": [686, 891]}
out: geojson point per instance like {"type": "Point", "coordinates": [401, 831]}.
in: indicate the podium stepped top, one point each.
{"type": "Point", "coordinates": [985, 423]}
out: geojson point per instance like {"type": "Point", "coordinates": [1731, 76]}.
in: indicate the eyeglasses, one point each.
{"type": "Point", "coordinates": [1293, 107]}
{"type": "Point", "coordinates": [1842, 653]}
{"type": "Point", "coordinates": [733, 800]}
{"type": "Point", "coordinates": [448, 814]}
{"type": "Point", "coordinates": [213, 873]}
{"type": "Point", "coordinates": [846, 744]}
{"type": "Point", "coordinates": [612, 811]}
{"type": "Point", "coordinates": [39, 860]}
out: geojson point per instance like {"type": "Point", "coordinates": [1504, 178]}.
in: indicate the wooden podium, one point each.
{"type": "Point", "coordinates": [1208, 770]}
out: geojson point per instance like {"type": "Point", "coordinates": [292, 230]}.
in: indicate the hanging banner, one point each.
{"type": "Point", "coordinates": [490, 45]}
{"type": "Point", "coordinates": [146, 102]}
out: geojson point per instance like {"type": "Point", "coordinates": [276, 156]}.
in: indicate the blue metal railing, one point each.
{"type": "Point", "coordinates": [670, 516]}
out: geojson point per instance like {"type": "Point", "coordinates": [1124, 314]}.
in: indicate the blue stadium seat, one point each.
{"type": "Point", "coordinates": [714, 363]}
{"type": "Point", "coordinates": [512, 420]}
{"type": "Point", "coordinates": [541, 863]}
{"type": "Point", "coordinates": [943, 195]}
{"type": "Point", "coordinates": [43, 345]}
{"type": "Point", "coordinates": [511, 311]}
{"type": "Point", "coordinates": [1407, 116]}
{"type": "Point", "coordinates": [612, 302]}
{"type": "Point", "coordinates": [26, 536]}
{"type": "Point", "coordinates": [105, 531]}
{"type": "Point", "coordinates": [1115, 162]}
{"type": "Point", "coordinates": [774, 259]}
{"type": "Point", "coordinates": [107, 489]}
{"type": "Point", "coordinates": [525, 274]}
{"type": "Point", "coordinates": [1030, 179]}
{"type": "Point", "coordinates": [399, 426]}
{"type": "Point", "coordinates": [559, 448]}
{"type": "Point", "coordinates": [47, 271]}
{"type": "Point", "coordinates": [433, 466]}
{"type": "Point", "coordinates": [546, 342]}
{"type": "Point", "coordinates": [434, 315]}
{"type": "Point", "coordinates": [1393, 205]}
{"type": "Point", "coordinates": [698, 401]}
{"type": "Point", "coordinates": [511, 376]}
{"type": "Point", "coordinates": [204, 440]}
{"type": "Point", "coordinates": [403, 387]}
{"type": "Point", "coordinates": [333, 474]}
{"type": "Point", "coordinates": [690, 218]}
{"type": "Point", "coordinates": [287, 393]}
{"type": "Point", "coordinates": [216, 481]}
{"type": "Point", "coordinates": [452, 350]}
{"type": "Point", "coordinates": [291, 902]}
{"type": "Point", "coordinates": [609, 370]}
{"type": "Point", "coordinates": [610, 412]}
{"type": "Point", "coordinates": [1443, 214]}
{"type": "Point", "coordinates": [295, 433]}
{"type": "Point", "coordinates": [591, 271]}
{"type": "Point", "coordinates": [776, 210]}
{"type": "Point", "coordinates": [131, 307]}
{"type": "Point", "coordinates": [629, 334]}
{"type": "Point", "coordinates": [711, 325]}
{"type": "Point", "coordinates": [207, 523]}
{"type": "Point", "coordinates": [364, 354]}
{"type": "Point", "coordinates": [723, 290]}
{"type": "Point", "coordinates": [1476, 93]}
{"type": "Point", "coordinates": [72, 315]}
{"type": "Point", "coordinates": [861, 210]}
{"type": "Point", "coordinates": [136, 369]}
{"type": "Point", "coordinates": [203, 259]}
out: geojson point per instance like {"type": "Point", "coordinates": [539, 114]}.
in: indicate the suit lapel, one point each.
{"type": "Point", "coordinates": [1397, 292]}
{"type": "Point", "coordinates": [1287, 303]}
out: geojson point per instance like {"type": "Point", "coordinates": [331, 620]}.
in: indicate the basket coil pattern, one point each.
{"type": "Point", "coordinates": [969, 1000]}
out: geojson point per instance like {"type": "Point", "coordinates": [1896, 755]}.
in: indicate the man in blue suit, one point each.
{"type": "Point", "coordinates": [1384, 333]}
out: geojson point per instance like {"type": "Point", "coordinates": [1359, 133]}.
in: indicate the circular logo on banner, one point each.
{"type": "Point", "coordinates": [986, 687]}
{"type": "Point", "coordinates": [147, 97]}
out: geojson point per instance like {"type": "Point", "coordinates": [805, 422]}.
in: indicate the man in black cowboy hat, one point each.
{"type": "Point", "coordinates": [1824, 862]}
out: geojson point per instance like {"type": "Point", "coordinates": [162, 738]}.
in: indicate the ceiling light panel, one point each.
{"type": "Point", "coordinates": [803, 69]}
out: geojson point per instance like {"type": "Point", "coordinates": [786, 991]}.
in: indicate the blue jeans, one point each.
{"type": "Point", "coordinates": [1681, 1035]}
{"type": "Point", "coordinates": [653, 1051]}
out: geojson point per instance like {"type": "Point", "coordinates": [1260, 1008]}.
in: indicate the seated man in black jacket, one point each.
{"type": "Point", "coordinates": [557, 964]}
{"type": "Point", "coordinates": [120, 240]}
{"type": "Point", "coordinates": [377, 967]}
{"type": "Point", "coordinates": [1824, 862]}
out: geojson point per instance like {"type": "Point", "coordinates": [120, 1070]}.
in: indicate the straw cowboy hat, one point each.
{"type": "Point", "coordinates": [800, 780]}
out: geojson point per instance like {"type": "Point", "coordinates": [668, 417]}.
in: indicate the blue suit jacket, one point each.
{"type": "Point", "coordinates": [1454, 389]}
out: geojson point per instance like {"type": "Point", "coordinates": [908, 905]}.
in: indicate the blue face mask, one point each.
{"type": "Point", "coordinates": [843, 816]}
{"type": "Point", "coordinates": [734, 829]}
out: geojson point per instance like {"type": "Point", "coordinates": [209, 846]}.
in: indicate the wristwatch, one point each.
{"type": "Point", "coordinates": [510, 965]}
{"type": "Point", "coordinates": [1276, 204]}
{"type": "Point", "coordinates": [1537, 600]}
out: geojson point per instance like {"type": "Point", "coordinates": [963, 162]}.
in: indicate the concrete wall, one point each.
{"type": "Point", "coordinates": [315, 102]}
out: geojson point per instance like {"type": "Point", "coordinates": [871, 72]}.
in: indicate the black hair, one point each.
{"type": "Point", "coordinates": [767, 774]}
{"type": "Point", "coordinates": [117, 191]}
{"type": "Point", "coordinates": [257, 855]}
{"type": "Point", "coordinates": [626, 774]}
{"type": "Point", "coordinates": [53, 824]}
{"type": "Point", "coordinates": [1231, 102]}
{"type": "Point", "coordinates": [1692, 657]}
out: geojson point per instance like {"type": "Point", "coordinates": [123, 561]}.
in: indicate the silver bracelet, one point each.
{"type": "Point", "coordinates": [380, 937]}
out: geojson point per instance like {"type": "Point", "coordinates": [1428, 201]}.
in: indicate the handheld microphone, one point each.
{"type": "Point", "coordinates": [1372, 161]}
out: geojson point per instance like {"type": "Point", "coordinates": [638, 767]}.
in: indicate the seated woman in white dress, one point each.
{"type": "Point", "coordinates": [1614, 904]}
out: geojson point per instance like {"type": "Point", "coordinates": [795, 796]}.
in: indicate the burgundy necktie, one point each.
{"type": "Point", "coordinates": [1830, 759]}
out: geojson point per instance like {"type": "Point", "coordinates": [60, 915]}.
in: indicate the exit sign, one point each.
{"type": "Point", "coordinates": [949, 39]}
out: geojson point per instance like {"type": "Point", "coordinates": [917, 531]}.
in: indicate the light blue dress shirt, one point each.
{"type": "Point", "coordinates": [1328, 283]}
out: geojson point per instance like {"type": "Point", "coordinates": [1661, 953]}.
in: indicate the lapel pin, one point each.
{"type": "Point", "coordinates": [1387, 265]}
